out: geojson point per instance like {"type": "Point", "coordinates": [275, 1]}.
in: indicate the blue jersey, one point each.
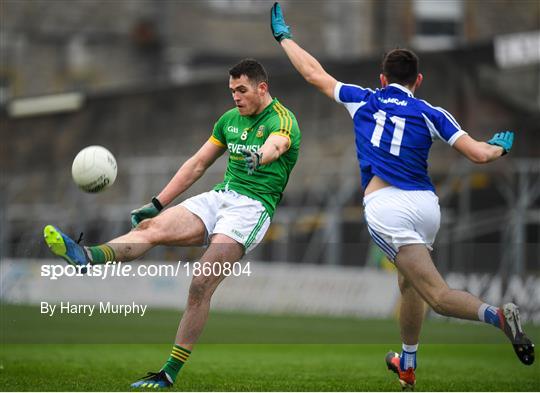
{"type": "Point", "coordinates": [394, 132]}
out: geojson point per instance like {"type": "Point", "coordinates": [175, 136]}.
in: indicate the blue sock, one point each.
{"type": "Point", "coordinates": [408, 357]}
{"type": "Point", "coordinates": [489, 314]}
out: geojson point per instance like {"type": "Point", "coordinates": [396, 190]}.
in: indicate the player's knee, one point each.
{"type": "Point", "coordinates": [149, 229]}
{"type": "Point", "coordinates": [144, 225]}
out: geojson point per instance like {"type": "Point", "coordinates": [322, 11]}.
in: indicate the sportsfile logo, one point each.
{"type": "Point", "coordinates": [122, 270]}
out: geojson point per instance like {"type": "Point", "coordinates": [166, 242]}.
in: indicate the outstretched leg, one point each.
{"type": "Point", "coordinates": [174, 226]}
{"type": "Point", "coordinates": [414, 262]}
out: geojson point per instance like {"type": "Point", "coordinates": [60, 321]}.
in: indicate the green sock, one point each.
{"type": "Point", "coordinates": [175, 362]}
{"type": "Point", "coordinates": [101, 254]}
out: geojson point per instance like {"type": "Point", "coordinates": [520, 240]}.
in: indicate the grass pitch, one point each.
{"type": "Point", "coordinates": [243, 353]}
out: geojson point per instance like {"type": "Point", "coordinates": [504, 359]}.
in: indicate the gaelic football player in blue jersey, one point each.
{"type": "Point", "coordinates": [394, 132]}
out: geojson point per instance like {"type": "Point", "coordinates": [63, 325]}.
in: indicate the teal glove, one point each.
{"type": "Point", "coordinates": [503, 139]}
{"type": "Point", "coordinates": [149, 210]}
{"type": "Point", "coordinates": [277, 23]}
{"type": "Point", "coordinates": [252, 159]}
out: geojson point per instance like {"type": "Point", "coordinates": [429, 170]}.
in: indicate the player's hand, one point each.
{"type": "Point", "coordinates": [280, 30]}
{"type": "Point", "coordinates": [503, 139]}
{"type": "Point", "coordinates": [252, 159]}
{"type": "Point", "coordinates": [149, 210]}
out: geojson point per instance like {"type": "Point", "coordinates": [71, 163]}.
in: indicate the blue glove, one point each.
{"type": "Point", "coordinates": [277, 23]}
{"type": "Point", "coordinates": [252, 159]}
{"type": "Point", "coordinates": [503, 139]}
{"type": "Point", "coordinates": [149, 210]}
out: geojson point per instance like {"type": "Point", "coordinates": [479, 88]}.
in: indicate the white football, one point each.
{"type": "Point", "coordinates": [94, 169]}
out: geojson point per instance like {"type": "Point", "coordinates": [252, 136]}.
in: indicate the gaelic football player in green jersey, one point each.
{"type": "Point", "coordinates": [263, 140]}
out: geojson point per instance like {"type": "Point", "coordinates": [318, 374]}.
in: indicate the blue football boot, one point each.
{"type": "Point", "coordinates": [153, 381]}
{"type": "Point", "coordinates": [63, 246]}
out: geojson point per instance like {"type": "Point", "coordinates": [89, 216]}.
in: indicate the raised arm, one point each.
{"type": "Point", "coordinates": [305, 64]}
{"type": "Point", "coordinates": [484, 152]}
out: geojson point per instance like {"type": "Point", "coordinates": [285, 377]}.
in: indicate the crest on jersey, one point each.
{"type": "Point", "coordinates": [260, 132]}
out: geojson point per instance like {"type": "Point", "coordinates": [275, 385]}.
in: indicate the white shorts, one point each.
{"type": "Point", "coordinates": [398, 217]}
{"type": "Point", "coordinates": [239, 217]}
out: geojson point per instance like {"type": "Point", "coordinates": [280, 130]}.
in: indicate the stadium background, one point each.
{"type": "Point", "coordinates": [148, 79]}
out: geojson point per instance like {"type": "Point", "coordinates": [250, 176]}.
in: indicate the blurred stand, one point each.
{"type": "Point", "coordinates": [153, 80]}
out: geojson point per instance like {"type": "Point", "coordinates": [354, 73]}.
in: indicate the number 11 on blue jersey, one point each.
{"type": "Point", "coordinates": [399, 127]}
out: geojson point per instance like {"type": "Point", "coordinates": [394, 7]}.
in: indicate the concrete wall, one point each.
{"type": "Point", "coordinates": [56, 45]}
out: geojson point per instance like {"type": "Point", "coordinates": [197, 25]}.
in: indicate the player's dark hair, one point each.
{"type": "Point", "coordinates": [400, 66]}
{"type": "Point", "coordinates": [250, 68]}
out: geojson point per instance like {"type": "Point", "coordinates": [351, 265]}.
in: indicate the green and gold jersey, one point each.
{"type": "Point", "coordinates": [234, 131]}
